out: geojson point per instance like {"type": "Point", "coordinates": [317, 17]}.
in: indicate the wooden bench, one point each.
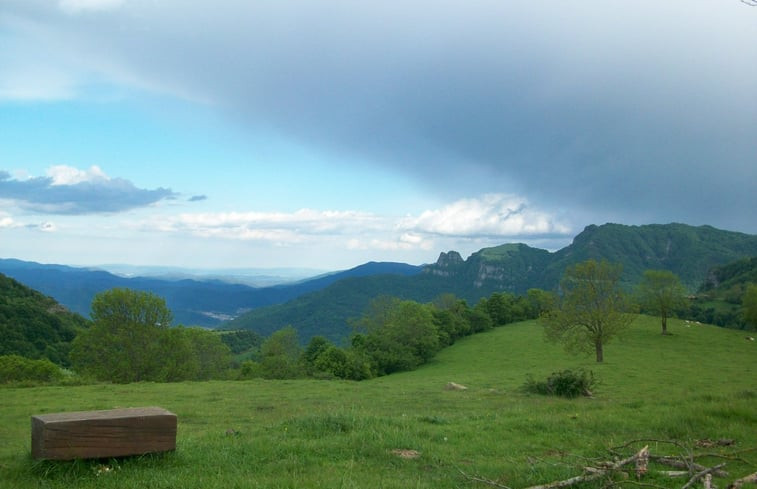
{"type": "Point", "coordinates": [103, 434]}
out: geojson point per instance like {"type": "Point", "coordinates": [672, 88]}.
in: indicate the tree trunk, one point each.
{"type": "Point", "coordinates": [598, 348]}
{"type": "Point", "coordinates": [664, 324]}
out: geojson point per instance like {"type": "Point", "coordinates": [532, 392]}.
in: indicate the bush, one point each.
{"type": "Point", "coordinates": [15, 368]}
{"type": "Point", "coordinates": [567, 383]}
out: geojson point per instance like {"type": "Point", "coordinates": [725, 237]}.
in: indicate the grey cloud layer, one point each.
{"type": "Point", "coordinates": [634, 112]}
{"type": "Point", "coordinates": [91, 197]}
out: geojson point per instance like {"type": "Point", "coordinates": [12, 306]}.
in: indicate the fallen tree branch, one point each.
{"type": "Point", "coordinates": [675, 473]}
{"type": "Point", "coordinates": [594, 473]}
{"type": "Point", "coordinates": [701, 474]}
{"type": "Point", "coordinates": [476, 478]}
{"type": "Point", "coordinates": [684, 464]}
{"type": "Point", "coordinates": [605, 469]}
{"type": "Point", "coordinates": [750, 479]}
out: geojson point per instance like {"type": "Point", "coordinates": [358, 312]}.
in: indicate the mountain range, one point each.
{"type": "Point", "coordinates": [323, 304]}
{"type": "Point", "coordinates": [193, 301]}
{"type": "Point", "coordinates": [690, 252]}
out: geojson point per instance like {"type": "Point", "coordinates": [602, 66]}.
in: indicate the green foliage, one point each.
{"type": "Point", "coordinates": [479, 318]}
{"type": "Point", "coordinates": [565, 383]}
{"type": "Point", "coordinates": [131, 341]}
{"type": "Point", "coordinates": [343, 364]}
{"type": "Point", "coordinates": [241, 341]}
{"type": "Point", "coordinates": [504, 308]}
{"type": "Point", "coordinates": [720, 299]}
{"type": "Point", "coordinates": [316, 346]}
{"type": "Point", "coordinates": [35, 326]}
{"type": "Point", "coordinates": [749, 303]}
{"type": "Point", "coordinates": [592, 310]}
{"type": "Point", "coordinates": [734, 275]}
{"type": "Point", "coordinates": [15, 368]}
{"type": "Point", "coordinates": [400, 335]}
{"type": "Point", "coordinates": [715, 311]}
{"type": "Point", "coordinates": [250, 369]}
{"type": "Point", "coordinates": [125, 343]}
{"type": "Point", "coordinates": [280, 355]}
{"type": "Point", "coordinates": [660, 293]}
{"type": "Point", "coordinates": [540, 301]}
{"type": "Point", "coordinates": [452, 318]}
{"type": "Point", "coordinates": [208, 355]}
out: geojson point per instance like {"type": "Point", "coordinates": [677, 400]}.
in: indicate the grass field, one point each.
{"type": "Point", "coordinates": [699, 383]}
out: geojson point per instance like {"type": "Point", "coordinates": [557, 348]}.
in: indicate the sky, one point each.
{"type": "Point", "coordinates": [328, 133]}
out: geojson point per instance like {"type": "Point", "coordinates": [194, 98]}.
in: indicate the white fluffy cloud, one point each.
{"type": "Point", "coordinates": [493, 218]}
{"type": "Point", "coordinates": [491, 215]}
{"type": "Point", "coordinates": [68, 175]}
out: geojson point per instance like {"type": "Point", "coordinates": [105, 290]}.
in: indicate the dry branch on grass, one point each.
{"type": "Point", "coordinates": [681, 463]}
{"type": "Point", "coordinates": [700, 474]}
{"type": "Point", "coordinates": [640, 459]}
{"type": "Point", "coordinates": [750, 479]}
{"type": "Point", "coordinates": [591, 473]}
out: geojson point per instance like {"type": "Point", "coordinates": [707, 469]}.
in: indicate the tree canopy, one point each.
{"type": "Point", "coordinates": [592, 308]}
{"type": "Point", "coordinates": [131, 341]}
{"type": "Point", "coordinates": [661, 293]}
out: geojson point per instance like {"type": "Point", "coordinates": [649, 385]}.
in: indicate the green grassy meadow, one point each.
{"type": "Point", "coordinates": [699, 383]}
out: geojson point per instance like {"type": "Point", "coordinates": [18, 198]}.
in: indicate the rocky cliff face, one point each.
{"type": "Point", "coordinates": [446, 265]}
{"type": "Point", "coordinates": [511, 268]}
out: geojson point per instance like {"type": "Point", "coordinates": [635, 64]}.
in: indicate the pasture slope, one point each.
{"type": "Point", "coordinates": [697, 384]}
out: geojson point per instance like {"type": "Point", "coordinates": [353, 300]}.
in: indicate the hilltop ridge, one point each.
{"type": "Point", "coordinates": [688, 251]}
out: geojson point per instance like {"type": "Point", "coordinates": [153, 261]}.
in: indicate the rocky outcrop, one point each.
{"type": "Point", "coordinates": [446, 264]}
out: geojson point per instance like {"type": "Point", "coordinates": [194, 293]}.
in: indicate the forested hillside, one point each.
{"type": "Point", "coordinates": [732, 278]}
{"type": "Point", "coordinates": [193, 302]}
{"type": "Point", "coordinates": [720, 298]}
{"type": "Point", "coordinates": [689, 252]}
{"type": "Point", "coordinates": [33, 325]}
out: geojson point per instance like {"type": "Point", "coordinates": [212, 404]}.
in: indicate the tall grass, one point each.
{"type": "Point", "coordinates": [698, 383]}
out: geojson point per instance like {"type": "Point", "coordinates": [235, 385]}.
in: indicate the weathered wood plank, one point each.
{"type": "Point", "coordinates": [103, 434]}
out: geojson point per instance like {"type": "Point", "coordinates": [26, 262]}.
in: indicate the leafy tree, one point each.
{"type": "Point", "coordinates": [478, 318]}
{"type": "Point", "coordinates": [400, 335]}
{"type": "Point", "coordinates": [123, 343]}
{"type": "Point", "coordinates": [749, 304]}
{"type": "Point", "coordinates": [661, 292]}
{"type": "Point", "coordinates": [207, 351]}
{"type": "Point", "coordinates": [505, 308]}
{"type": "Point", "coordinates": [280, 355]}
{"type": "Point", "coordinates": [315, 348]}
{"type": "Point", "coordinates": [131, 341]}
{"type": "Point", "coordinates": [592, 310]}
{"type": "Point", "coordinates": [540, 301]}
{"type": "Point", "coordinates": [451, 316]}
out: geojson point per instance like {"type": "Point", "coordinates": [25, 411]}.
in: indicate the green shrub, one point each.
{"type": "Point", "coordinates": [15, 368]}
{"type": "Point", "coordinates": [566, 383]}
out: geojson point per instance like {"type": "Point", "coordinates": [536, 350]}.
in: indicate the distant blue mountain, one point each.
{"type": "Point", "coordinates": [193, 302]}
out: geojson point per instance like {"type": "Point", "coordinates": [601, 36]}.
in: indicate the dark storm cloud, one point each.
{"type": "Point", "coordinates": [633, 112]}
{"type": "Point", "coordinates": [89, 197]}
